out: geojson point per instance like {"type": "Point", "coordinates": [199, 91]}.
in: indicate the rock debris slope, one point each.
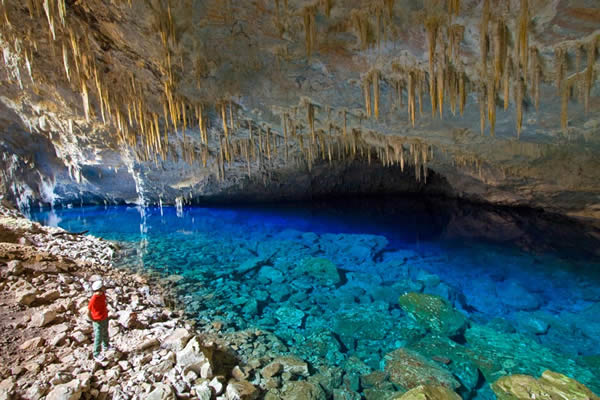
{"type": "Point", "coordinates": [158, 100]}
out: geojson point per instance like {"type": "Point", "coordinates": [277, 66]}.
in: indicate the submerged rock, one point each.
{"type": "Point", "coordinates": [302, 390]}
{"type": "Point", "coordinates": [408, 369]}
{"type": "Point", "coordinates": [550, 386]}
{"type": "Point", "coordinates": [321, 270]}
{"type": "Point", "coordinates": [433, 313]}
{"type": "Point", "coordinates": [428, 392]}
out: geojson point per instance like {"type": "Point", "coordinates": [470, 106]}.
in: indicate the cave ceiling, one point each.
{"type": "Point", "coordinates": [183, 98]}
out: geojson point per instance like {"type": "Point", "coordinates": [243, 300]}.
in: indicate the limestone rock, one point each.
{"type": "Point", "coordinates": [302, 390]}
{"type": "Point", "coordinates": [241, 390]}
{"type": "Point", "coordinates": [192, 356]}
{"type": "Point", "coordinates": [433, 313]}
{"type": "Point", "coordinates": [290, 316]}
{"type": "Point", "coordinates": [293, 365]}
{"type": "Point", "coordinates": [14, 267]}
{"type": "Point", "coordinates": [66, 391]}
{"type": "Point", "coordinates": [26, 297]}
{"type": "Point", "coordinates": [429, 392]}
{"type": "Point", "coordinates": [550, 386]}
{"type": "Point", "coordinates": [32, 343]}
{"type": "Point", "coordinates": [43, 318]}
{"type": "Point", "coordinates": [321, 270]}
{"type": "Point", "coordinates": [272, 369]}
{"type": "Point", "coordinates": [162, 392]}
{"type": "Point", "coordinates": [408, 369]}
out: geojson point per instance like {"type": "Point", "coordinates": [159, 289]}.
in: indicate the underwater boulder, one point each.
{"type": "Point", "coordinates": [289, 316]}
{"type": "Point", "coordinates": [302, 390]}
{"type": "Point", "coordinates": [361, 322]}
{"type": "Point", "coordinates": [408, 369]}
{"type": "Point", "coordinates": [550, 386]}
{"type": "Point", "coordinates": [428, 392]}
{"type": "Point", "coordinates": [352, 251]}
{"type": "Point", "coordinates": [498, 353]}
{"type": "Point", "coordinates": [320, 270]}
{"type": "Point", "coordinates": [454, 357]}
{"type": "Point", "coordinates": [516, 296]}
{"type": "Point", "coordinates": [433, 313]}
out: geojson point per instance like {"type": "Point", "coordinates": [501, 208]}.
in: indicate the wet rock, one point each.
{"type": "Point", "coordinates": [270, 274]}
{"type": "Point", "coordinates": [516, 296]}
{"type": "Point", "coordinates": [428, 392]}
{"type": "Point", "coordinates": [290, 316]}
{"type": "Point", "coordinates": [272, 369]}
{"type": "Point", "coordinates": [366, 322]}
{"type": "Point", "coordinates": [408, 369]}
{"type": "Point", "coordinates": [549, 386]}
{"type": "Point", "coordinates": [433, 313]}
{"type": "Point", "coordinates": [452, 356]}
{"type": "Point", "coordinates": [302, 390]}
{"type": "Point", "coordinates": [293, 365]}
{"type": "Point", "coordinates": [345, 394]}
{"type": "Point", "coordinates": [320, 270]}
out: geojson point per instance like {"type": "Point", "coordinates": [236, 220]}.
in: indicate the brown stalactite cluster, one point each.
{"type": "Point", "coordinates": [310, 132]}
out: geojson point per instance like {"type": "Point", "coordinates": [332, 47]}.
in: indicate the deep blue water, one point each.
{"type": "Point", "coordinates": [524, 276]}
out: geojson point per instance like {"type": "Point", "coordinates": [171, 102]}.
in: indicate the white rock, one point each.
{"type": "Point", "coordinates": [192, 357]}
{"type": "Point", "coordinates": [216, 385]}
{"type": "Point", "coordinates": [26, 297]}
{"type": "Point", "coordinates": [203, 391]}
{"type": "Point", "coordinates": [14, 267]}
{"type": "Point", "coordinates": [177, 340]}
{"type": "Point", "coordinates": [66, 391]}
{"type": "Point", "coordinates": [161, 392]}
{"type": "Point", "coordinates": [32, 343]}
{"type": "Point", "coordinates": [43, 318]}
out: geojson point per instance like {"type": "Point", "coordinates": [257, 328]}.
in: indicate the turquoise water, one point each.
{"type": "Point", "coordinates": [325, 278]}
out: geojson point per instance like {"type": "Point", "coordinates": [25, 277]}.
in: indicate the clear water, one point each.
{"type": "Point", "coordinates": [529, 283]}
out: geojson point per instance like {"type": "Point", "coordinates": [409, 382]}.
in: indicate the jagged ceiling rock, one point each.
{"type": "Point", "coordinates": [143, 100]}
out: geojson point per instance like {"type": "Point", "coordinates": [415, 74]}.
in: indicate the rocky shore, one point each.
{"type": "Point", "coordinates": [45, 339]}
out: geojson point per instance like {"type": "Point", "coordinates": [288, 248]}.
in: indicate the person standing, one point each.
{"type": "Point", "coordinates": [98, 313]}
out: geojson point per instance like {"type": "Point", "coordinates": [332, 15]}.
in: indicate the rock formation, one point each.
{"type": "Point", "coordinates": [158, 100]}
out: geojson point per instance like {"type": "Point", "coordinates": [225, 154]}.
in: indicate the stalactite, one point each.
{"type": "Point", "coordinates": [310, 30]}
{"type": "Point", "coordinates": [506, 82]}
{"type": "Point", "coordinates": [85, 98]}
{"type": "Point", "coordinates": [224, 119]}
{"type": "Point", "coordinates": [564, 104]}
{"type": "Point", "coordinates": [432, 25]}
{"type": "Point", "coordinates": [411, 97]}
{"type": "Point", "coordinates": [327, 5]}
{"type": "Point", "coordinates": [48, 6]}
{"type": "Point", "coordinates": [491, 101]}
{"type": "Point", "coordinates": [376, 94]}
{"type": "Point", "coordinates": [535, 70]}
{"type": "Point", "coordinates": [462, 93]}
{"type": "Point", "coordinates": [523, 41]}
{"type": "Point", "coordinates": [560, 68]}
{"type": "Point", "coordinates": [483, 37]}
{"type": "Point", "coordinates": [367, 95]}
{"type": "Point", "coordinates": [66, 62]}
{"type": "Point", "coordinates": [519, 91]}
{"type": "Point", "coordinates": [454, 7]}
{"type": "Point", "coordinates": [440, 81]}
{"type": "Point", "coordinates": [579, 80]}
{"type": "Point", "coordinates": [360, 23]}
{"type": "Point", "coordinates": [500, 51]}
{"type": "Point", "coordinates": [589, 73]}
{"type": "Point", "coordinates": [481, 98]}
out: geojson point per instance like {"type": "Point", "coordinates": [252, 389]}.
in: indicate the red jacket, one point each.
{"type": "Point", "coordinates": [97, 307]}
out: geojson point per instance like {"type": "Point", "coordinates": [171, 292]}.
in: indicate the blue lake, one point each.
{"type": "Point", "coordinates": [326, 277]}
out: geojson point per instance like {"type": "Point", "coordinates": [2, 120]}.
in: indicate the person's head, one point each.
{"type": "Point", "coordinates": [97, 286]}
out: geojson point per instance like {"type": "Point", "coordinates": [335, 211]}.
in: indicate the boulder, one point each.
{"type": "Point", "coordinates": [7, 388]}
{"type": "Point", "coordinates": [241, 390]}
{"type": "Point", "coordinates": [433, 313]}
{"type": "Point", "coordinates": [43, 318]}
{"type": "Point", "coordinates": [290, 316]}
{"type": "Point", "coordinates": [320, 270]}
{"type": "Point", "coordinates": [14, 267]}
{"type": "Point", "coordinates": [428, 392]}
{"type": "Point", "coordinates": [161, 392]}
{"type": "Point", "coordinates": [128, 319]}
{"type": "Point", "coordinates": [32, 343]}
{"type": "Point", "coordinates": [293, 365]}
{"type": "Point", "coordinates": [549, 386]}
{"type": "Point", "coordinates": [516, 296]}
{"type": "Point", "coordinates": [408, 369]}
{"type": "Point", "coordinates": [26, 297]}
{"type": "Point", "coordinates": [271, 370]}
{"type": "Point", "coordinates": [49, 296]}
{"type": "Point", "coordinates": [66, 391]}
{"type": "Point", "coordinates": [302, 390]}
{"type": "Point", "coordinates": [192, 356]}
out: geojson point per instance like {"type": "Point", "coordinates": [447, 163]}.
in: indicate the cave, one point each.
{"type": "Point", "coordinates": [300, 199]}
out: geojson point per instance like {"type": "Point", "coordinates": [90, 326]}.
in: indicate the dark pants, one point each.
{"type": "Point", "coordinates": [100, 335]}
